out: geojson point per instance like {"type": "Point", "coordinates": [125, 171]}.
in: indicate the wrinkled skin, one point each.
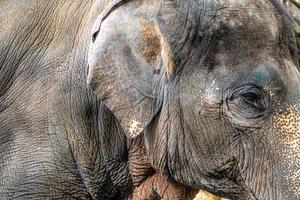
{"type": "Point", "coordinates": [214, 86]}
{"type": "Point", "coordinates": [57, 141]}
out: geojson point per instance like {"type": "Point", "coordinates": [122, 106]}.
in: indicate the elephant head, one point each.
{"type": "Point", "coordinates": [214, 86]}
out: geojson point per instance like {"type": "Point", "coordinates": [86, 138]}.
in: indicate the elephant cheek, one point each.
{"type": "Point", "coordinates": [287, 144]}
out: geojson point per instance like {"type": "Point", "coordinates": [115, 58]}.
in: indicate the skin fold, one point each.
{"type": "Point", "coordinates": [212, 85]}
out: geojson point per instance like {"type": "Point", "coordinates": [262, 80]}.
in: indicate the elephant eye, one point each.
{"type": "Point", "coordinates": [247, 103]}
{"type": "Point", "coordinates": [254, 100]}
{"type": "Point", "coordinates": [95, 35]}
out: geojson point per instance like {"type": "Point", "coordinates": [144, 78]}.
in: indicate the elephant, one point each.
{"type": "Point", "coordinates": [213, 85]}
{"type": "Point", "coordinates": [57, 140]}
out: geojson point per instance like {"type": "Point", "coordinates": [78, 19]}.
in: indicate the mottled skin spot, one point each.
{"type": "Point", "coordinates": [287, 122]}
{"type": "Point", "coordinates": [134, 128]}
{"type": "Point", "coordinates": [155, 45]}
{"type": "Point", "coordinates": [151, 47]}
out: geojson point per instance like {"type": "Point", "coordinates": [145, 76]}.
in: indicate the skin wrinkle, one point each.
{"type": "Point", "coordinates": [244, 168]}
{"type": "Point", "coordinates": [13, 74]}
{"type": "Point", "coordinates": [186, 30]}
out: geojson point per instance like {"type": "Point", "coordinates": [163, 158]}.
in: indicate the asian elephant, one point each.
{"type": "Point", "coordinates": [57, 141]}
{"type": "Point", "coordinates": [212, 84]}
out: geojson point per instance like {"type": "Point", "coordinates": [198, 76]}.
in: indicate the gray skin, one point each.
{"type": "Point", "coordinates": [214, 86]}
{"type": "Point", "coordinates": [57, 140]}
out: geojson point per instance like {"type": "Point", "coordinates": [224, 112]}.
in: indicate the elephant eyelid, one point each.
{"type": "Point", "coordinates": [247, 91]}
{"type": "Point", "coordinates": [248, 102]}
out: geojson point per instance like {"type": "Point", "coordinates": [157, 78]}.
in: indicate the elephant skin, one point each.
{"type": "Point", "coordinates": [214, 85]}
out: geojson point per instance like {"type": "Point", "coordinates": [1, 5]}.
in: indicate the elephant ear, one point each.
{"type": "Point", "coordinates": [129, 62]}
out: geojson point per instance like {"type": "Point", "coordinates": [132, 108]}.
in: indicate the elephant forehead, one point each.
{"type": "Point", "coordinates": [253, 17]}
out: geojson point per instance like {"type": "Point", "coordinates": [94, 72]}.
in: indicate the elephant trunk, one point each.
{"type": "Point", "coordinates": [271, 168]}
{"type": "Point", "coordinates": [287, 148]}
